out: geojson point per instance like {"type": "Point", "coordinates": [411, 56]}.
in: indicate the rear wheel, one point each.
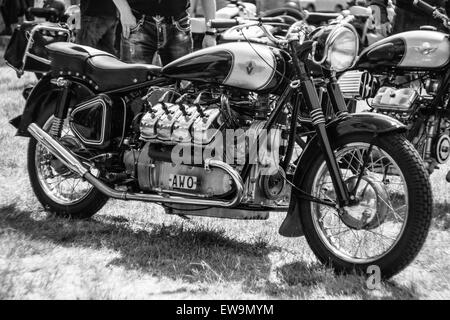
{"type": "Point", "coordinates": [58, 189]}
{"type": "Point", "coordinates": [388, 225]}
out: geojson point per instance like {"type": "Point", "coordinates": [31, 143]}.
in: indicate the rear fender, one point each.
{"type": "Point", "coordinates": [42, 97]}
{"type": "Point", "coordinates": [374, 123]}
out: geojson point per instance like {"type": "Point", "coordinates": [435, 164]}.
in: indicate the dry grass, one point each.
{"type": "Point", "coordinates": [133, 250]}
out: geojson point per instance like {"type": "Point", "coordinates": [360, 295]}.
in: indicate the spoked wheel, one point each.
{"type": "Point", "coordinates": [56, 187]}
{"type": "Point", "coordinates": [388, 223]}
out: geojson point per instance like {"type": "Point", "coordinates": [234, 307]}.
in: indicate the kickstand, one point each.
{"type": "Point", "coordinates": [170, 211]}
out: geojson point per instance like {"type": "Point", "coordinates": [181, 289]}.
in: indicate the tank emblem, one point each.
{"type": "Point", "coordinates": [250, 67]}
{"type": "Point", "coordinates": [425, 49]}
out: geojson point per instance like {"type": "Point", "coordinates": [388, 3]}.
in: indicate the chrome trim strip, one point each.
{"type": "Point", "coordinates": [88, 105]}
{"type": "Point", "coordinates": [31, 41]}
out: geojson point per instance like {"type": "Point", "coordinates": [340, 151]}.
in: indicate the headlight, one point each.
{"type": "Point", "coordinates": [336, 48]}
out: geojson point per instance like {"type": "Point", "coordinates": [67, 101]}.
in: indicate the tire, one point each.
{"type": "Point", "coordinates": [85, 208]}
{"type": "Point", "coordinates": [416, 221]}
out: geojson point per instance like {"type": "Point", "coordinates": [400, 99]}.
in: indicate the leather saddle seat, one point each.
{"type": "Point", "coordinates": [103, 69]}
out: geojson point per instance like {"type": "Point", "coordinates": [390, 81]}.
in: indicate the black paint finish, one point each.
{"type": "Point", "coordinates": [382, 55]}
{"type": "Point", "coordinates": [204, 67]}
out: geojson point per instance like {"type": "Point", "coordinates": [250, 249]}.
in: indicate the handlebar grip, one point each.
{"type": "Point", "coordinates": [223, 23]}
{"type": "Point", "coordinates": [228, 23]}
{"type": "Point", "coordinates": [422, 5]}
{"type": "Point", "coordinates": [269, 19]}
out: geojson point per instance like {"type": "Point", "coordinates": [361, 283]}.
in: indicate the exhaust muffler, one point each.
{"type": "Point", "coordinates": [69, 160]}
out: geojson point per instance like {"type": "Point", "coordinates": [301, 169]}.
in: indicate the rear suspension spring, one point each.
{"type": "Point", "coordinates": [56, 128]}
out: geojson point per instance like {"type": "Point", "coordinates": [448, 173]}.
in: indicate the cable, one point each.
{"type": "Point", "coordinates": [262, 58]}
{"type": "Point", "coordinates": [306, 195]}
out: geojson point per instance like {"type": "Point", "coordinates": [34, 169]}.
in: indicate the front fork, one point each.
{"type": "Point", "coordinates": [311, 97]}
{"type": "Point", "coordinates": [309, 91]}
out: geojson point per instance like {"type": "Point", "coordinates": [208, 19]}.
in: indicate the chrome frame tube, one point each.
{"type": "Point", "coordinates": [30, 43]}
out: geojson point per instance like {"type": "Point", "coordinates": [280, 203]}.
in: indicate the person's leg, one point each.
{"type": "Point", "coordinates": [29, 4]}
{"type": "Point", "coordinates": [141, 46]}
{"type": "Point", "coordinates": [10, 15]}
{"type": "Point", "coordinates": [92, 30]}
{"type": "Point", "coordinates": [107, 42]}
{"type": "Point", "coordinates": [178, 41]}
{"type": "Point", "coordinates": [7, 26]}
{"type": "Point", "coordinates": [118, 39]}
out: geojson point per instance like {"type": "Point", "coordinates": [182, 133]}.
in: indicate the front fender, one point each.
{"type": "Point", "coordinates": [43, 96]}
{"type": "Point", "coordinates": [352, 124]}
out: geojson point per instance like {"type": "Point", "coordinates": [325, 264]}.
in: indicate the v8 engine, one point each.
{"type": "Point", "coordinates": [171, 120]}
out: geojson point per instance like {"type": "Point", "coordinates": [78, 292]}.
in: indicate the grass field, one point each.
{"type": "Point", "coordinates": [133, 251]}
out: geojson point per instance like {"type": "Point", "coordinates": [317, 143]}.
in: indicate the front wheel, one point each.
{"type": "Point", "coordinates": [389, 222]}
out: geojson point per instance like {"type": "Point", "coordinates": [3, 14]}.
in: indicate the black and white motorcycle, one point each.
{"type": "Point", "coordinates": [215, 134]}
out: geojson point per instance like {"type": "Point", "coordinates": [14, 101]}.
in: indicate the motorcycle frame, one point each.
{"type": "Point", "coordinates": [441, 92]}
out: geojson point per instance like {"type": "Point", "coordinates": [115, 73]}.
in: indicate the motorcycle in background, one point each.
{"type": "Point", "coordinates": [234, 9]}
{"type": "Point", "coordinates": [407, 76]}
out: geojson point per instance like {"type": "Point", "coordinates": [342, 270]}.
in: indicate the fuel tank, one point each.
{"type": "Point", "coordinates": [252, 67]}
{"type": "Point", "coordinates": [414, 50]}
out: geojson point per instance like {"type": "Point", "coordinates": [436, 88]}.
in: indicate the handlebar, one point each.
{"type": "Point", "coordinates": [228, 23]}
{"type": "Point", "coordinates": [422, 5]}
{"type": "Point", "coordinates": [433, 11]}
{"type": "Point", "coordinates": [222, 23]}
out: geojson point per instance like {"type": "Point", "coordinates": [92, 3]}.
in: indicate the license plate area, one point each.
{"type": "Point", "coordinates": [178, 181]}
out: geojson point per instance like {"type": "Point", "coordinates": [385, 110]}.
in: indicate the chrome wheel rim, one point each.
{"type": "Point", "coordinates": [64, 188]}
{"type": "Point", "coordinates": [383, 192]}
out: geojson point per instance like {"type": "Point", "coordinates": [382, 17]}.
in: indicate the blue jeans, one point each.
{"type": "Point", "coordinates": [98, 32]}
{"type": "Point", "coordinates": [172, 40]}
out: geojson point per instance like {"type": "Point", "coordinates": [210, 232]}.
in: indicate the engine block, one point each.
{"type": "Point", "coordinates": [162, 176]}
{"type": "Point", "coordinates": [179, 123]}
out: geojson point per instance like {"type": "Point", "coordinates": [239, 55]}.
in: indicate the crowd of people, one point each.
{"type": "Point", "coordinates": [145, 27]}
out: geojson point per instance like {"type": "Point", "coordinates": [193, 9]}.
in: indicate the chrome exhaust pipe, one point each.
{"type": "Point", "coordinates": [58, 150]}
{"type": "Point", "coordinates": [69, 160]}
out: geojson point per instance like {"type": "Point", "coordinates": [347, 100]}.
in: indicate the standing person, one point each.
{"type": "Point", "coordinates": [98, 25]}
{"type": "Point", "coordinates": [24, 6]}
{"type": "Point", "coordinates": [163, 26]}
{"type": "Point", "coordinates": [380, 13]}
{"type": "Point", "coordinates": [10, 10]}
{"type": "Point", "coordinates": [408, 17]}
